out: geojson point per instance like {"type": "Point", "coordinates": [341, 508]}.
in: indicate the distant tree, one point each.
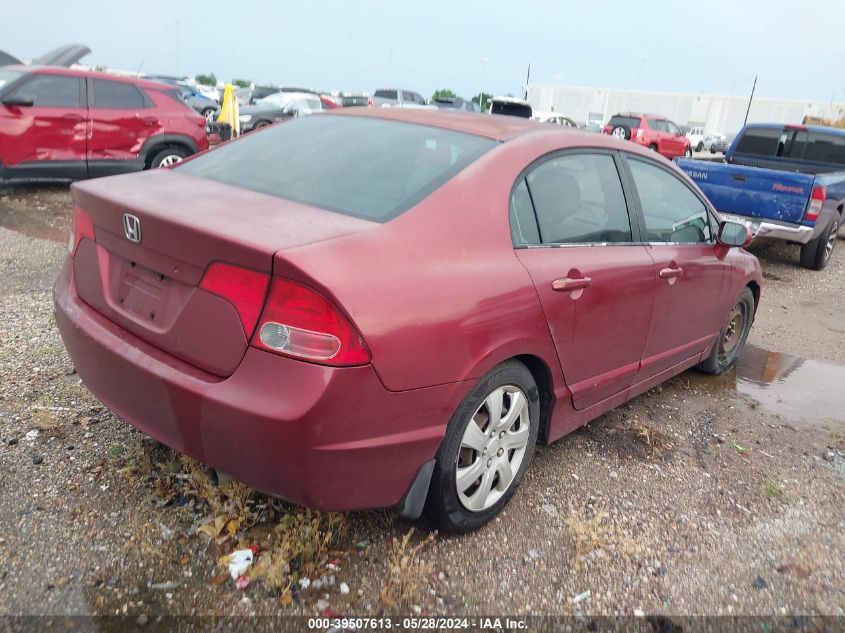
{"type": "Point", "coordinates": [206, 80]}
{"type": "Point", "coordinates": [444, 93]}
{"type": "Point", "coordinates": [483, 100]}
{"type": "Point", "coordinates": [241, 83]}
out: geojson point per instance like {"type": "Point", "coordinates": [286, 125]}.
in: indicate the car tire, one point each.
{"type": "Point", "coordinates": [688, 152]}
{"type": "Point", "coordinates": [816, 254]}
{"type": "Point", "coordinates": [621, 132]}
{"type": "Point", "coordinates": [451, 510]}
{"type": "Point", "coordinates": [208, 113]}
{"type": "Point", "coordinates": [168, 156]}
{"type": "Point", "coordinates": [653, 147]}
{"type": "Point", "coordinates": [260, 124]}
{"type": "Point", "coordinates": [699, 147]}
{"type": "Point", "coordinates": [731, 340]}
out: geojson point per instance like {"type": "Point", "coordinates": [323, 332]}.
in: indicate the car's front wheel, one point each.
{"type": "Point", "coordinates": [488, 445]}
{"type": "Point", "coordinates": [731, 340]}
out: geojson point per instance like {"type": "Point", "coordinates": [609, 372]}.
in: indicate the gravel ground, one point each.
{"type": "Point", "coordinates": [692, 499]}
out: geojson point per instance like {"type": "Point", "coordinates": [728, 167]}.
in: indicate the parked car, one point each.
{"type": "Point", "coordinates": [355, 101]}
{"type": "Point", "coordinates": [64, 124]}
{"type": "Point", "coordinates": [652, 131]}
{"type": "Point", "coordinates": [397, 98]}
{"type": "Point", "coordinates": [277, 107]}
{"type": "Point", "coordinates": [711, 138]}
{"type": "Point", "coordinates": [248, 96]}
{"type": "Point", "coordinates": [511, 106]}
{"type": "Point", "coordinates": [695, 135]}
{"type": "Point", "coordinates": [721, 145]}
{"type": "Point", "coordinates": [207, 107]}
{"type": "Point", "coordinates": [210, 92]}
{"type": "Point", "coordinates": [280, 344]}
{"type": "Point", "coordinates": [786, 182]}
{"type": "Point", "coordinates": [455, 103]}
{"type": "Point", "coordinates": [555, 118]}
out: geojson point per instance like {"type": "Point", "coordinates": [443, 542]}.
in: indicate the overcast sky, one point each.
{"type": "Point", "coordinates": [467, 45]}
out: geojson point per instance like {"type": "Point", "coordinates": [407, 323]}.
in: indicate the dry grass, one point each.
{"type": "Point", "coordinates": [48, 423]}
{"type": "Point", "coordinates": [600, 532]}
{"type": "Point", "coordinates": [408, 575]}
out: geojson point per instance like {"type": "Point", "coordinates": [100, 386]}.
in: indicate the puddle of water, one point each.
{"type": "Point", "coordinates": [802, 391]}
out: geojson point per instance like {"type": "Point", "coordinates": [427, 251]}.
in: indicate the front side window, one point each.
{"type": "Point", "coordinates": [672, 212]}
{"type": "Point", "coordinates": [674, 129]}
{"type": "Point", "coordinates": [578, 199]}
{"type": "Point", "coordinates": [51, 91]}
{"type": "Point", "coordinates": [117, 95]}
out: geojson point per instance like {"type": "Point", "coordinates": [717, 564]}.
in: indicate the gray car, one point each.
{"type": "Point", "coordinates": [277, 107]}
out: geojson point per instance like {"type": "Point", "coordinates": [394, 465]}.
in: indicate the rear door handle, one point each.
{"type": "Point", "coordinates": [567, 284]}
{"type": "Point", "coordinates": [72, 117]}
{"type": "Point", "coordinates": [671, 273]}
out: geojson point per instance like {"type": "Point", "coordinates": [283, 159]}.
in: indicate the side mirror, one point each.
{"type": "Point", "coordinates": [734, 234]}
{"type": "Point", "coordinates": [19, 101]}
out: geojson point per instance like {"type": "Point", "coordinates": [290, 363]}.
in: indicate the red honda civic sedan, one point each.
{"type": "Point", "coordinates": [392, 307]}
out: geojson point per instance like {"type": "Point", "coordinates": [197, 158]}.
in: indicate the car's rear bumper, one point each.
{"type": "Point", "coordinates": [767, 229]}
{"type": "Point", "coordinates": [330, 438]}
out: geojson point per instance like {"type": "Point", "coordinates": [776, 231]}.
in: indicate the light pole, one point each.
{"type": "Point", "coordinates": [643, 59]}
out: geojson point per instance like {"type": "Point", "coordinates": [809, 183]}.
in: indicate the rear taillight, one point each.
{"type": "Point", "coordinates": [640, 133]}
{"type": "Point", "coordinates": [243, 288]}
{"type": "Point", "coordinates": [300, 322]}
{"type": "Point", "coordinates": [817, 198]}
{"type": "Point", "coordinates": [81, 227]}
{"type": "Point", "coordinates": [369, 103]}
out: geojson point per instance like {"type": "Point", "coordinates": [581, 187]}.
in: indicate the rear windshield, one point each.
{"type": "Point", "coordinates": [794, 144]}
{"type": "Point", "coordinates": [627, 121]}
{"type": "Point", "coordinates": [387, 94]}
{"type": "Point", "coordinates": [368, 168]}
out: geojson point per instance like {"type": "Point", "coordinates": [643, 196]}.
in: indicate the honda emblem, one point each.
{"type": "Point", "coordinates": [132, 227]}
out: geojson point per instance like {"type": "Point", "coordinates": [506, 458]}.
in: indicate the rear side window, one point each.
{"type": "Point", "coordinates": [761, 141]}
{"type": "Point", "coordinates": [818, 147]}
{"type": "Point", "coordinates": [658, 124]}
{"type": "Point", "coordinates": [672, 212]}
{"type": "Point", "coordinates": [52, 91]}
{"type": "Point", "coordinates": [368, 168]}
{"type": "Point", "coordinates": [578, 199]}
{"type": "Point", "coordinates": [117, 95]}
{"type": "Point", "coordinates": [627, 121]}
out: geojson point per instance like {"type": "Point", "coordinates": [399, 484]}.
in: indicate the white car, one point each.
{"type": "Point", "coordinates": [554, 117]}
{"type": "Point", "coordinates": [209, 91]}
{"type": "Point", "coordinates": [696, 138]}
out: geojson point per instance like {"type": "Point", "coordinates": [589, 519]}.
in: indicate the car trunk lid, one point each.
{"type": "Point", "coordinates": [157, 233]}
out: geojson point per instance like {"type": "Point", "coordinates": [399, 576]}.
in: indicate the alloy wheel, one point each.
{"type": "Point", "coordinates": [618, 132]}
{"type": "Point", "coordinates": [170, 159]}
{"type": "Point", "coordinates": [492, 448]}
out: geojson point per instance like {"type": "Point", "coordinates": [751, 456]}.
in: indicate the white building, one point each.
{"type": "Point", "coordinates": [716, 113]}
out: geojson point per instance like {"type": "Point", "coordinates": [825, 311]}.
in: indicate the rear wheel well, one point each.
{"type": "Point", "coordinates": [543, 377]}
{"type": "Point", "coordinates": [155, 149]}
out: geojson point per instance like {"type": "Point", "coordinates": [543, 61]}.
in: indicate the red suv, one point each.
{"type": "Point", "coordinates": [652, 131]}
{"type": "Point", "coordinates": [64, 124]}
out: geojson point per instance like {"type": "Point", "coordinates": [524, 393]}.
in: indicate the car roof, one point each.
{"type": "Point", "coordinates": [78, 72]}
{"type": "Point", "coordinates": [493, 126]}
{"type": "Point", "coordinates": [797, 126]}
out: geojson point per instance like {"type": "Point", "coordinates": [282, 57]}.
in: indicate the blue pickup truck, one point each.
{"type": "Point", "coordinates": [784, 182]}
